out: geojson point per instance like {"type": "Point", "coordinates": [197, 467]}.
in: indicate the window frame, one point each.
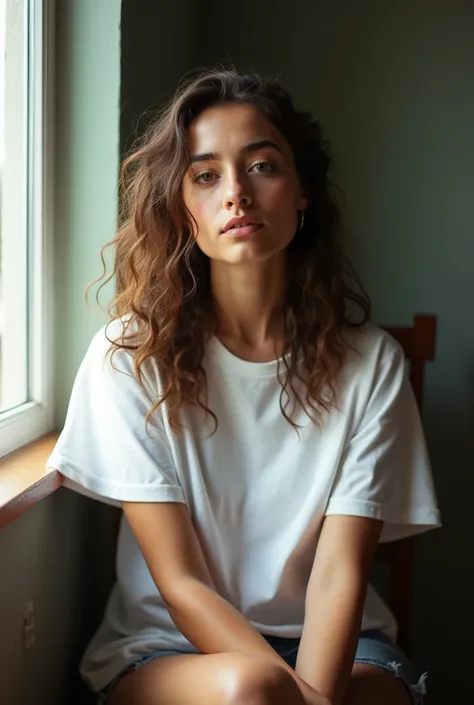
{"type": "Point", "coordinates": [27, 422]}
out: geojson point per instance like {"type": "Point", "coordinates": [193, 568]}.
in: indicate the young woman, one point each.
{"type": "Point", "coordinates": [260, 440]}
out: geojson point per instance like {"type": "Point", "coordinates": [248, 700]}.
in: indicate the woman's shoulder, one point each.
{"type": "Point", "coordinates": [114, 345]}
{"type": "Point", "coordinates": [119, 335]}
{"type": "Point", "coordinates": [371, 348]}
{"type": "Point", "coordinates": [116, 330]}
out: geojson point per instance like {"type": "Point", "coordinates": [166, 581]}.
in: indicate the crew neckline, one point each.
{"type": "Point", "coordinates": [238, 365]}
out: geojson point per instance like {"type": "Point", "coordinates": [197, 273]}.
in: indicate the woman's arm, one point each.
{"type": "Point", "coordinates": [334, 603]}
{"type": "Point", "coordinates": [170, 546]}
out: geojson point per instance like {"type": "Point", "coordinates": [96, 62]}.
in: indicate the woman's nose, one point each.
{"type": "Point", "coordinates": [237, 193]}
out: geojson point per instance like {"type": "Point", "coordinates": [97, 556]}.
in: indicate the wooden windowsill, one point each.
{"type": "Point", "coordinates": [24, 478]}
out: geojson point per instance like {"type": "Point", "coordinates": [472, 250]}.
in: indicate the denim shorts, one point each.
{"type": "Point", "coordinates": [374, 648]}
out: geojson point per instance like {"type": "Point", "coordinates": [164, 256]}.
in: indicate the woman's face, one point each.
{"type": "Point", "coordinates": [242, 173]}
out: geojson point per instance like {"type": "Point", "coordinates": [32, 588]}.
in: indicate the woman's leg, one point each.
{"type": "Point", "coordinates": [370, 685]}
{"type": "Point", "coordinates": [214, 679]}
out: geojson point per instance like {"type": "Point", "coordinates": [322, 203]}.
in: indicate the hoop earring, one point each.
{"type": "Point", "coordinates": [301, 221]}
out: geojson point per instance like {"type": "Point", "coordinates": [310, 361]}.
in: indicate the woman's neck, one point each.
{"type": "Point", "coordinates": [248, 302]}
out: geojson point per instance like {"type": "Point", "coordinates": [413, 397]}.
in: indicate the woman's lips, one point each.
{"type": "Point", "coordinates": [243, 230]}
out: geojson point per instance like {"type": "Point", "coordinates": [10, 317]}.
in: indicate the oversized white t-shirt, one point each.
{"type": "Point", "coordinates": [257, 489]}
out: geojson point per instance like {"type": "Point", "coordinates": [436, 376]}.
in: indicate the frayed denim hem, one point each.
{"type": "Point", "coordinates": [417, 690]}
{"type": "Point", "coordinates": [103, 697]}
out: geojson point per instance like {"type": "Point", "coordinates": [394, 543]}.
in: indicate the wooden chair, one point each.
{"type": "Point", "coordinates": [418, 343]}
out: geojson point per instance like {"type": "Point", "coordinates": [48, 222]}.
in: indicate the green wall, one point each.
{"type": "Point", "coordinates": [39, 565]}
{"type": "Point", "coordinates": [88, 84]}
{"type": "Point", "coordinates": [160, 44]}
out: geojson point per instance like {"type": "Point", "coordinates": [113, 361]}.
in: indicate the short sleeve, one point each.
{"type": "Point", "coordinates": [384, 472]}
{"type": "Point", "coordinates": [106, 449]}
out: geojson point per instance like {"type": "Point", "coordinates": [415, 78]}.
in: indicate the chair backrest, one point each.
{"type": "Point", "coordinates": [418, 342]}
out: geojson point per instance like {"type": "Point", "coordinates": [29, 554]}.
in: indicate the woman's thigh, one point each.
{"type": "Point", "coordinates": [383, 673]}
{"type": "Point", "coordinates": [372, 685]}
{"type": "Point", "coordinates": [214, 679]}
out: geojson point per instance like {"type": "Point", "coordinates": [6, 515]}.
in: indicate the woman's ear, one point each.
{"type": "Point", "coordinates": [303, 202]}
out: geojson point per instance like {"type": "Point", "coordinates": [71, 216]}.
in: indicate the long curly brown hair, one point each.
{"type": "Point", "coordinates": [163, 279]}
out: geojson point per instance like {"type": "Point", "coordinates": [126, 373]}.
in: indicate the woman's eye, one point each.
{"type": "Point", "coordinates": [205, 177]}
{"type": "Point", "coordinates": [263, 166]}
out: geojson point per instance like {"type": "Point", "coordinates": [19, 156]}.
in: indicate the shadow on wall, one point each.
{"type": "Point", "coordinates": [443, 612]}
{"type": "Point", "coordinates": [97, 561]}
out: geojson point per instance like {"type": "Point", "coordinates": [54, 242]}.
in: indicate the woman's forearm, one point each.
{"type": "Point", "coordinates": [335, 601]}
{"type": "Point", "coordinates": [330, 635]}
{"type": "Point", "coordinates": [213, 625]}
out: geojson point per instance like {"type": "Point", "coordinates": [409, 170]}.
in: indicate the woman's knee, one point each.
{"type": "Point", "coordinates": [259, 682]}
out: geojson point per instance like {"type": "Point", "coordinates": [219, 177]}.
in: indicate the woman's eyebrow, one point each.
{"type": "Point", "coordinates": [252, 147]}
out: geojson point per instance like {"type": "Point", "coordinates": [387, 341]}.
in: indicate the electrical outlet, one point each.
{"type": "Point", "coordinates": [29, 626]}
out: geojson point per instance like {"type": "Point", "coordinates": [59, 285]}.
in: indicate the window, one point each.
{"type": "Point", "coordinates": [25, 221]}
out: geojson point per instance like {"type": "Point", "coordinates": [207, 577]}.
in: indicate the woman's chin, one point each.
{"type": "Point", "coordinates": [250, 253]}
